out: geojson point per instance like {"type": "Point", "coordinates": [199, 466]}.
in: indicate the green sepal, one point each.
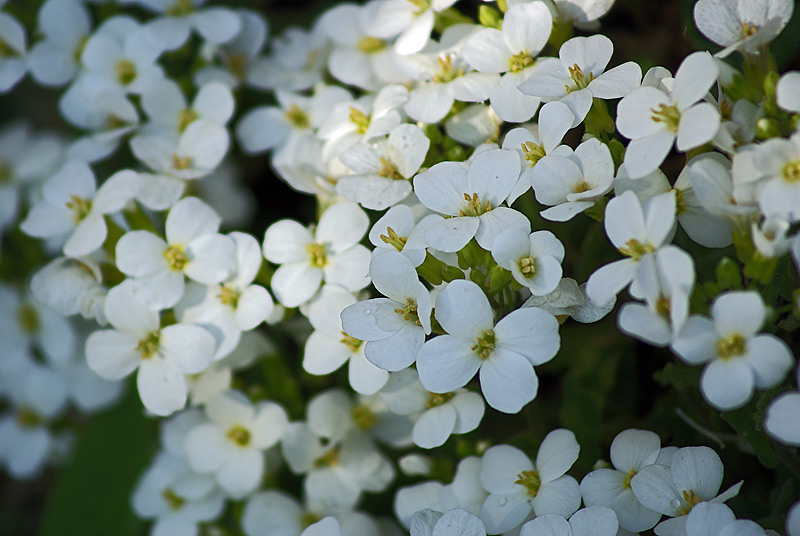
{"type": "Point", "coordinates": [728, 274]}
{"type": "Point", "coordinates": [490, 17]}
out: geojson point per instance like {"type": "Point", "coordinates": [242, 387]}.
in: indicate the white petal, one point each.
{"type": "Point", "coordinates": [162, 386]}
{"type": "Point", "coordinates": [557, 453]}
{"type": "Point", "coordinates": [434, 427]}
{"type": "Point", "coordinates": [445, 364]}
{"type": "Point", "coordinates": [508, 381]}
{"type": "Point", "coordinates": [727, 384]}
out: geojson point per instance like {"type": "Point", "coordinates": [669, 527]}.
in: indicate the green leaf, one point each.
{"type": "Point", "coordinates": [92, 496]}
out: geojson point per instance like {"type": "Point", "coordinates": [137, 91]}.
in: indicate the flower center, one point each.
{"type": "Point", "coordinates": [371, 45]}
{"type": "Point", "coordinates": [149, 345]}
{"type": "Point", "coordinates": [636, 250]}
{"type": "Point", "coordinates": [579, 80]}
{"type": "Point", "coordinates": [531, 481]}
{"type": "Point", "coordinates": [667, 114]}
{"type": "Point", "coordinates": [181, 162]}
{"type": "Point", "coordinates": [297, 117]}
{"type": "Point", "coordinates": [80, 207]}
{"type": "Point", "coordinates": [791, 171]}
{"type": "Point", "coordinates": [420, 5]}
{"type": "Point", "coordinates": [351, 342]}
{"type": "Point", "coordinates": [691, 499]}
{"type": "Point", "coordinates": [364, 417]}
{"type": "Point", "coordinates": [527, 265]}
{"type": "Point", "coordinates": [126, 71]}
{"type": "Point", "coordinates": [438, 399]}
{"type": "Point", "coordinates": [236, 64]}
{"type": "Point", "coordinates": [28, 319]}
{"type": "Point", "coordinates": [239, 434]}
{"type": "Point", "coordinates": [748, 29]}
{"type": "Point", "coordinates": [185, 118]}
{"type": "Point", "coordinates": [629, 477]}
{"type": "Point", "coordinates": [680, 201]}
{"type": "Point", "coordinates": [663, 306]}
{"type": "Point", "coordinates": [181, 7]}
{"type": "Point", "coordinates": [359, 119]}
{"type": "Point", "coordinates": [731, 346]}
{"type": "Point", "coordinates": [520, 61]}
{"type": "Point", "coordinates": [533, 152]}
{"type": "Point", "coordinates": [447, 73]}
{"type": "Point", "coordinates": [328, 459]}
{"type": "Point", "coordinates": [581, 187]}
{"type": "Point", "coordinates": [389, 170]}
{"type": "Point", "coordinates": [316, 255]}
{"type": "Point", "coordinates": [474, 207]}
{"type": "Point", "coordinates": [409, 311]}
{"type": "Point", "coordinates": [27, 418]}
{"type": "Point", "coordinates": [176, 257]}
{"type": "Point", "coordinates": [229, 296]}
{"type": "Point", "coordinates": [399, 242]}
{"type": "Point", "coordinates": [484, 345]}
{"type": "Point", "coordinates": [172, 499]}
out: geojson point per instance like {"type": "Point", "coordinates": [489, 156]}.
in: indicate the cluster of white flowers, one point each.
{"type": "Point", "coordinates": [438, 147]}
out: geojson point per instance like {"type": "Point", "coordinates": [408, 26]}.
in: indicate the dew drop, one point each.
{"type": "Point", "coordinates": [675, 503]}
{"type": "Point", "coordinates": [367, 312]}
{"type": "Point", "coordinates": [502, 501]}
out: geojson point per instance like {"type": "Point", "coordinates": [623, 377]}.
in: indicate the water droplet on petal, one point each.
{"type": "Point", "coordinates": [502, 501]}
{"type": "Point", "coordinates": [367, 312]}
{"type": "Point", "coordinates": [675, 503]}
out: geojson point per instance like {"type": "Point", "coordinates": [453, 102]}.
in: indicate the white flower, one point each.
{"type": "Point", "coordinates": [74, 207]}
{"type": "Point", "coordinates": [162, 355]}
{"type": "Point", "coordinates": [518, 486]}
{"type": "Point", "coordinates": [653, 120]}
{"type": "Point", "coordinates": [665, 281]}
{"type": "Point", "coordinates": [555, 119]}
{"type": "Point", "coordinates": [743, 25]}
{"type": "Point", "coordinates": [526, 28]}
{"type": "Point", "coordinates": [411, 19]}
{"type": "Point", "coordinates": [577, 76]}
{"type": "Point", "coordinates": [70, 286]}
{"type": "Point", "coordinates": [331, 253]}
{"type": "Point", "coordinates": [231, 445]}
{"type": "Point", "coordinates": [635, 231]}
{"type": "Point", "coordinates": [180, 17]}
{"type": "Point", "coordinates": [396, 231]}
{"type": "Point", "coordinates": [383, 172]}
{"type": "Point", "coordinates": [329, 346]}
{"type": "Point", "coordinates": [778, 160]}
{"type": "Point", "coordinates": [13, 62]}
{"type": "Point", "coordinates": [505, 353]}
{"type": "Point", "coordinates": [780, 420]}
{"type": "Point", "coordinates": [589, 521]}
{"type": "Point", "coordinates": [572, 182]}
{"type": "Point", "coordinates": [472, 197]}
{"type": "Point", "coordinates": [455, 522]}
{"type": "Point", "coordinates": [712, 519]}
{"type": "Point", "coordinates": [123, 56]}
{"type": "Point", "coordinates": [770, 239]}
{"type": "Point", "coordinates": [393, 327]}
{"type": "Point", "coordinates": [533, 259]}
{"type": "Point", "coordinates": [630, 451]}
{"type": "Point", "coordinates": [170, 114]}
{"type": "Point", "coordinates": [738, 358]}
{"type": "Point", "coordinates": [787, 92]}
{"type": "Point", "coordinates": [437, 415]}
{"type": "Point", "coordinates": [65, 24]}
{"type": "Point", "coordinates": [693, 476]}
{"type": "Point", "coordinates": [192, 248]}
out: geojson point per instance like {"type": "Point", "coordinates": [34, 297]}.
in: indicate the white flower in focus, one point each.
{"type": "Point", "coordinates": [743, 25]}
{"type": "Point", "coordinates": [396, 230]}
{"type": "Point", "coordinates": [192, 248]}
{"type": "Point", "coordinates": [232, 444]}
{"type": "Point", "coordinates": [329, 346]}
{"type": "Point", "coordinates": [518, 486]}
{"type": "Point", "coordinates": [162, 355]}
{"type": "Point", "coordinates": [330, 253]}
{"type": "Point", "coordinates": [383, 172]}
{"type": "Point", "coordinates": [654, 120]}
{"type": "Point", "coordinates": [630, 451]}
{"type": "Point", "coordinates": [589, 521]}
{"type": "Point", "coordinates": [571, 182]}
{"type": "Point", "coordinates": [505, 353]}
{"type": "Point", "coordinates": [472, 197]}
{"type": "Point", "coordinates": [555, 119]}
{"type": "Point", "coordinates": [738, 358]}
{"type": "Point", "coordinates": [577, 76]}
{"type": "Point", "coordinates": [693, 476]}
{"type": "Point", "coordinates": [779, 162]}
{"type": "Point", "coordinates": [437, 416]}
{"type": "Point", "coordinates": [455, 522]}
{"type": "Point", "coordinates": [393, 327]}
{"type": "Point", "coordinates": [533, 259]}
{"type": "Point", "coordinates": [636, 231]}
{"type": "Point", "coordinates": [665, 281]}
{"type": "Point", "coordinates": [73, 207]}
{"type": "Point", "coordinates": [525, 30]}
{"type": "Point", "coordinates": [712, 519]}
